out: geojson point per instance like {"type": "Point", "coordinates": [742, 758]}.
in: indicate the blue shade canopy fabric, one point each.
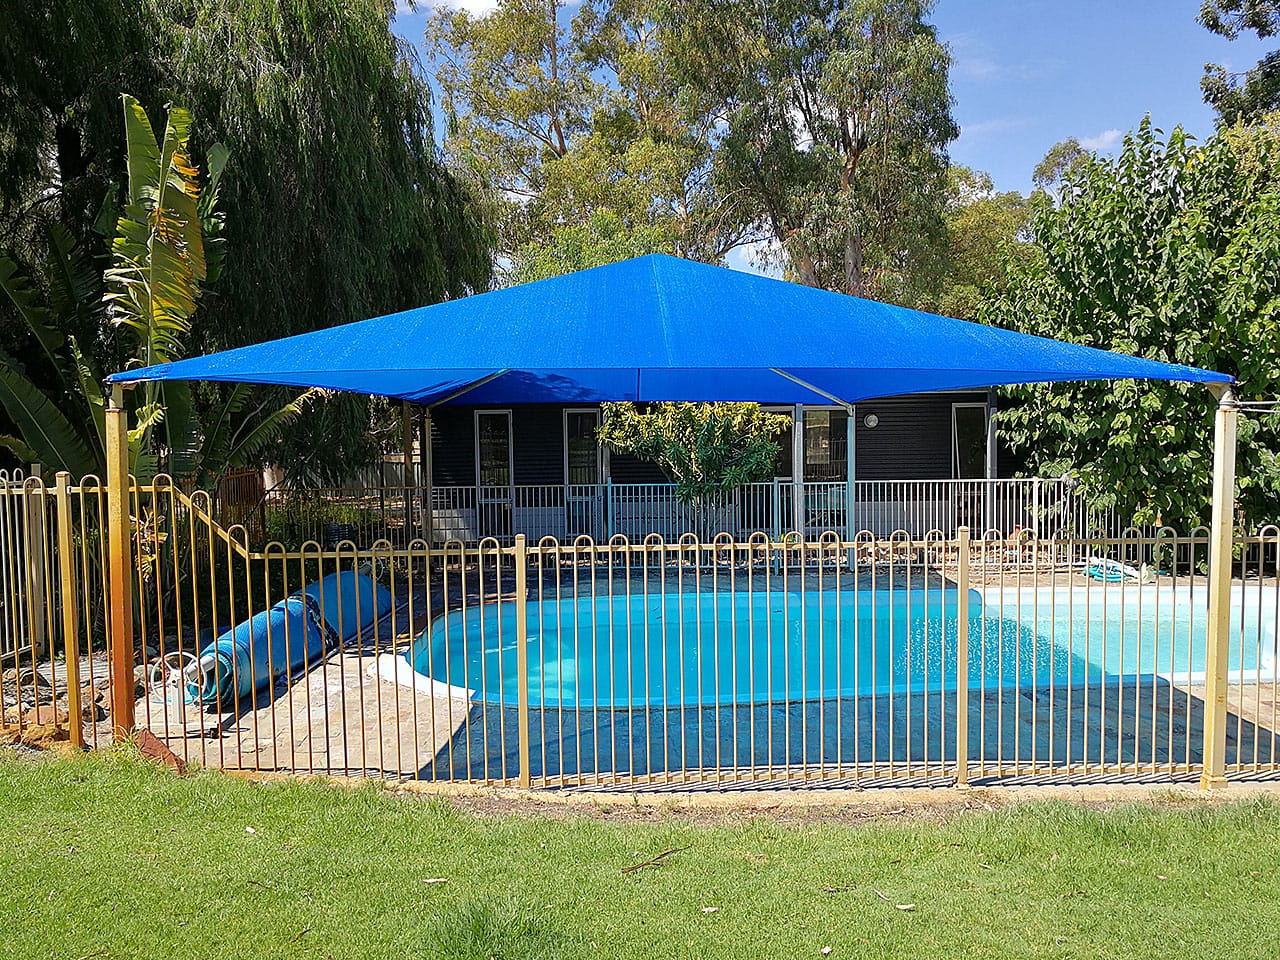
{"type": "Point", "coordinates": [660, 328]}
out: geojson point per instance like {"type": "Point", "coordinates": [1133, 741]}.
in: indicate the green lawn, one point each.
{"type": "Point", "coordinates": [112, 857]}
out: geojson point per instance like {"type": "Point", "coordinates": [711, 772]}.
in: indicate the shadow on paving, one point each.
{"type": "Point", "coordinates": [1150, 727]}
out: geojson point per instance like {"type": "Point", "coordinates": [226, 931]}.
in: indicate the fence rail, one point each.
{"type": "Point", "coordinates": [700, 659]}
{"type": "Point", "coordinates": [1043, 507]}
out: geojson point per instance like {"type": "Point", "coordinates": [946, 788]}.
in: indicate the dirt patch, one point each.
{"type": "Point", "coordinates": [797, 807]}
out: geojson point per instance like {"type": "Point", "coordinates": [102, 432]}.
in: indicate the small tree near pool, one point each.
{"type": "Point", "coordinates": [703, 448]}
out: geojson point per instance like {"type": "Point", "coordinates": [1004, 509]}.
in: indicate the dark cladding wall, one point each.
{"type": "Point", "coordinates": [912, 441]}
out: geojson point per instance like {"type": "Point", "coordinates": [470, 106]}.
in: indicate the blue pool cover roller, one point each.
{"type": "Point", "coordinates": [284, 640]}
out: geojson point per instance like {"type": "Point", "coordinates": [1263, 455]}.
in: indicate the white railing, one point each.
{"type": "Point", "coordinates": [1038, 507]}
{"type": "Point", "coordinates": [1041, 507]}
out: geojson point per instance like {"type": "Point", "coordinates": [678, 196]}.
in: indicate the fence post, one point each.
{"type": "Point", "coordinates": [1220, 542]}
{"type": "Point", "coordinates": [608, 507]}
{"type": "Point", "coordinates": [119, 565]}
{"type": "Point", "coordinates": [1036, 506]}
{"type": "Point", "coordinates": [35, 542]}
{"type": "Point", "coordinates": [70, 621]}
{"type": "Point", "coordinates": [962, 658]}
{"type": "Point", "coordinates": [521, 556]}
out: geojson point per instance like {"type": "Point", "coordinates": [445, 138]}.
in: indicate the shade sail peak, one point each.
{"type": "Point", "coordinates": [660, 328]}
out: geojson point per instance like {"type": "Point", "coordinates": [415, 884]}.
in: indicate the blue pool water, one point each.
{"type": "Point", "coordinates": [681, 649]}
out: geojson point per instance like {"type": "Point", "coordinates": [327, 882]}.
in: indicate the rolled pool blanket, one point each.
{"type": "Point", "coordinates": [286, 639]}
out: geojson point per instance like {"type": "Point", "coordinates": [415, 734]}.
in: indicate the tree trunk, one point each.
{"type": "Point", "coordinates": [806, 270]}
{"type": "Point", "coordinates": [854, 274]}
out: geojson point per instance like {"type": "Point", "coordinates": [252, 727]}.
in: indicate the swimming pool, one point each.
{"type": "Point", "coordinates": [683, 649]}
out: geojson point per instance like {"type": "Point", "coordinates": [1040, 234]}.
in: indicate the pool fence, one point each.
{"type": "Point", "coordinates": [638, 659]}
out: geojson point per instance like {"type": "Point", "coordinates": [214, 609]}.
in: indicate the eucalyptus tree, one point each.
{"type": "Point", "coordinates": [558, 117]}
{"type": "Point", "coordinates": [1250, 94]}
{"type": "Point", "coordinates": [984, 227]}
{"type": "Point", "coordinates": [1167, 251]}
{"type": "Point", "coordinates": [833, 125]}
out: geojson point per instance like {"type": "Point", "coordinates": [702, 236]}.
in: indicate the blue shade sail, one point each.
{"type": "Point", "coordinates": [661, 328]}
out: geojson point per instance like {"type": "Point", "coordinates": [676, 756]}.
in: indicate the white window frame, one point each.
{"type": "Point", "coordinates": [602, 455]}
{"type": "Point", "coordinates": [955, 437]}
{"type": "Point", "coordinates": [851, 433]}
{"type": "Point", "coordinates": [790, 411]}
{"type": "Point", "coordinates": [511, 453]}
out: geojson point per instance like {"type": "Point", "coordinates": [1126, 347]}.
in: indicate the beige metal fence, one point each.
{"type": "Point", "coordinates": [642, 662]}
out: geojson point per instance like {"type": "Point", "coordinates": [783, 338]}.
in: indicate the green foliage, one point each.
{"type": "Point", "coordinates": [297, 519]}
{"type": "Point", "coordinates": [339, 208]}
{"type": "Point", "coordinates": [158, 270]}
{"type": "Point", "coordinates": [836, 119]}
{"type": "Point", "coordinates": [1248, 96]}
{"type": "Point", "coordinates": [1167, 251]}
{"type": "Point", "coordinates": [63, 66]}
{"type": "Point", "coordinates": [144, 303]}
{"type": "Point", "coordinates": [53, 399]}
{"type": "Point", "coordinates": [1056, 163]}
{"type": "Point", "coordinates": [816, 132]}
{"type": "Point", "coordinates": [559, 121]}
{"type": "Point", "coordinates": [983, 228]}
{"type": "Point", "coordinates": [603, 239]}
{"type": "Point", "coordinates": [338, 205]}
{"type": "Point", "coordinates": [704, 448]}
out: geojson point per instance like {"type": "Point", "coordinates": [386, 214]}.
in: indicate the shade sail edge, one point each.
{"type": "Point", "coordinates": [661, 328]}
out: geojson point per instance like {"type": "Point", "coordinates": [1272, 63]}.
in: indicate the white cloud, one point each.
{"type": "Point", "coordinates": [1103, 141]}
{"type": "Point", "coordinates": [972, 60]}
{"type": "Point", "coordinates": [473, 7]}
{"type": "Point", "coordinates": [764, 256]}
{"type": "Point", "coordinates": [975, 68]}
{"type": "Point", "coordinates": [995, 125]}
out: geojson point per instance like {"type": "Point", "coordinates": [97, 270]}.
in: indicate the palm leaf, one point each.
{"type": "Point", "coordinates": [90, 379]}
{"type": "Point", "coordinates": [142, 157]}
{"type": "Point", "coordinates": [158, 251]}
{"type": "Point", "coordinates": [73, 283]}
{"type": "Point", "coordinates": [19, 449]}
{"type": "Point", "coordinates": [217, 439]}
{"type": "Point", "coordinates": [24, 296]}
{"type": "Point", "coordinates": [181, 429]}
{"type": "Point", "coordinates": [44, 429]}
{"type": "Point", "coordinates": [268, 429]}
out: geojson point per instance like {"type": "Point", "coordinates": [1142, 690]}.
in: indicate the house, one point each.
{"type": "Point", "coordinates": [916, 462]}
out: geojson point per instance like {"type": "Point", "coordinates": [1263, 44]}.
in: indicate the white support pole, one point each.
{"type": "Point", "coordinates": [797, 472]}
{"type": "Point", "coordinates": [425, 455]}
{"type": "Point", "coordinates": [993, 467]}
{"type": "Point", "coordinates": [407, 483]}
{"type": "Point", "coordinates": [1220, 556]}
{"type": "Point", "coordinates": [851, 462]}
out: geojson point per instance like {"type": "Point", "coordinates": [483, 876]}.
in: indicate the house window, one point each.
{"type": "Point", "coordinates": [583, 461]}
{"type": "Point", "coordinates": [968, 441]}
{"type": "Point", "coordinates": [826, 446]}
{"type": "Point", "coordinates": [782, 464]}
{"type": "Point", "coordinates": [493, 448]}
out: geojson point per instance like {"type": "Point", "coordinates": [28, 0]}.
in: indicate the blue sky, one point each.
{"type": "Point", "coordinates": [1028, 73]}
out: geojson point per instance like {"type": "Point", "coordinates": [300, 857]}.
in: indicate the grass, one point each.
{"type": "Point", "coordinates": [112, 857]}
